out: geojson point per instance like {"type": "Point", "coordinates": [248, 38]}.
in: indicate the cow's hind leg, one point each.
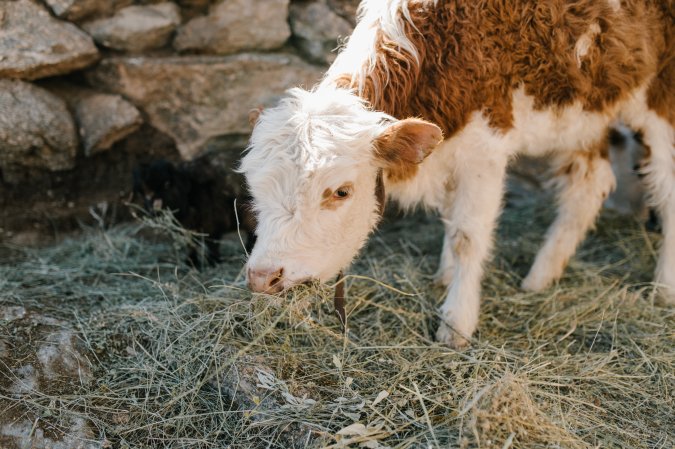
{"type": "Point", "coordinates": [659, 170]}
{"type": "Point", "coordinates": [469, 223]}
{"type": "Point", "coordinates": [584, 180]}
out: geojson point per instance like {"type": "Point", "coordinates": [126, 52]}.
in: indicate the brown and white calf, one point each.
{"type": "Point", "coordinates": [483, 81]}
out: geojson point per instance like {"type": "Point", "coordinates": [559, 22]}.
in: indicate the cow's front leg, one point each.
{"type": "Point", "coordinates": [446, 265]}
{"type": "Point", "coordinates": [584, 179]}
{"type": "Point", "coordinates": [471, 218]}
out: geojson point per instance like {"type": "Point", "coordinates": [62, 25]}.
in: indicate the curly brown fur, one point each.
{"type": "Point", "coordinates": [474, 54]}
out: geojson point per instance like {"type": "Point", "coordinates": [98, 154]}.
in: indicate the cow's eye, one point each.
{"type": "Point", "coordinates": [343, 192]}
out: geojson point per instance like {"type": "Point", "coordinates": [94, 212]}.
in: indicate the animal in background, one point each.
{"type": "Point", "coordinates": [628, 154]}
{"type": "Point", "coordinates": [200, 199]}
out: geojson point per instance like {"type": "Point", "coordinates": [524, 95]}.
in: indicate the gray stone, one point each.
{"type": "Point", "coordinates": [78, 9]}
{"type": "Point", "coordinates": [193, 8]}
{"type": "Point", "coordinates": [104, 119]}
{"type": "Point", "coordinates": [235, 25]}
{"type": "Point", "coordinates": [52, 363]}
{"type": "Point", "coordinates": [346, 9]}
{"type": "Point", "coordinates": [136, 28]}
{"type": "Point", "coordinates": [35, 45]}
{"type": "Point", "coordinates": [197, 99]}
{"type": "Point", "coordinates": [36, 129]}
{"type": "Point", "coordinates": [12, 313]}
{"type": "Point", "coordinates": [22, 433]}
{"type": "Point", "coordinates": [25, 380]}
{"type": "Point", "coordinates": [317, 30]}
{"type": "Point", "coordinates": [60, 357]}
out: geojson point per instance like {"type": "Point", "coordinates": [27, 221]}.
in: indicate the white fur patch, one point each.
{"type": "Point", "coordinates": [585, 42]}
{"type": "Point", "coordinates": [539, 132]}
{"type": "Point", "coordinates": [615, 4]}
{"type": "Point", "coordinates": [311, 142]}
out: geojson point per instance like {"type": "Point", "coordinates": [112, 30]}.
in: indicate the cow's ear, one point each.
{"type": "Point", "coordinates": [254, 115]}
{"type": "Point", "coordinates": [407, 142]}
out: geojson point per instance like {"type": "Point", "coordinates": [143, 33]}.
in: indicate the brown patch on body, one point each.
{"type": "Point", "coordinates": [661, 93]}
{"type": "Point", "coordinates": [473, 55]}
{"type": "Point", "coordinates": [254, 115]}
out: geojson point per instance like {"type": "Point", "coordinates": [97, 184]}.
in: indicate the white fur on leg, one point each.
{"type": "Point", "coordinates": [585, 182]}
{"type": "Point", "coordinates": [665, 268]}
{"type": "Point", "coordinates": [460, 311]}
{"type": "Point", "coordinates": [446, 266]}
{"type": "Point", "coordinates": [659, 136]}
{"type": "Point", "coordinates": [476, 203]}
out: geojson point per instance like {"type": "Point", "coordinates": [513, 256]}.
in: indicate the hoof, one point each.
{"type": "Point", "coordinates": [450, 338]}
{"type": "Point", "coordinates": [532, 284]}
{"type": "Point", "coordinates": [443, 279]}
{"type": "Point", "coordinates": [667, 294]}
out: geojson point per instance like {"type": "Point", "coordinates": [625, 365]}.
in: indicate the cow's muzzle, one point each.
{"type": "Point", "coordinates": [266, 280]}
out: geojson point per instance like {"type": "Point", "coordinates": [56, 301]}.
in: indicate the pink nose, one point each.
{"type": "Point", "coordinates": [266, 281]}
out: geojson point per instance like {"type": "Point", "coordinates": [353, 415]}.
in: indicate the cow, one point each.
{"type": "Point", "coordinates": [200, 199]}
{"type": "Point", "coordinates": [435, 97]}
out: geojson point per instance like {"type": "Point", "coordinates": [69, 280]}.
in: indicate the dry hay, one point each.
{"type": "Point", "coordinates": [189, 359]}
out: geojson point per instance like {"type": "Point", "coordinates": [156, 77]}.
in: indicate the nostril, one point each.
{"type": "Point", "coordinates": [276, 277]}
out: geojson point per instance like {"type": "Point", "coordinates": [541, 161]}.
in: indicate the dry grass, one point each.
{"type": "Point", "coordinates": [189, 359]}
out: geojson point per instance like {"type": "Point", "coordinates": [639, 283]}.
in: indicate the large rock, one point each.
{"type": "Point", "coordinates": [104, 119]}
{"type": "Point", "coordinates": [193, 8]}
{"type": "Point", "coordinates": [235, 25]}
{"type": "Point", "coordinates": [76, 10]}
{"type": "Point", "coordinates": [35, 45]}
{"type": "Point", "coordinates": [346, 9]}
{"type": "Point", "coordinates": [198, 99]}
{"type": "Point", "coordinates": [21, 433]}
{"type": "Point", "coordinates": [136, 28]}
{"type": "Point", "coordinates": [36, 129]}
{"type": "Point", "coordinates": [47, 359]}
{"type": "Point", "coordinates": [317, 29]}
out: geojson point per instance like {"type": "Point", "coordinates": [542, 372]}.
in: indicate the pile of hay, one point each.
{"type": "Point", "coordinates": [189, 359]}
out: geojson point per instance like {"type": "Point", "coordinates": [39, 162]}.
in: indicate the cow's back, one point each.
{"type": "Point", "coordinates": [473, 56]}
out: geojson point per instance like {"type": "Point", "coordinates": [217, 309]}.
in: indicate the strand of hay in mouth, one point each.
{"type": "Point", "coordinates": [190, 359]}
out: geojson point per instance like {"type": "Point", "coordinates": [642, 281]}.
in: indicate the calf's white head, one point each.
{"type": "Point", "coordinates": [312, 166]}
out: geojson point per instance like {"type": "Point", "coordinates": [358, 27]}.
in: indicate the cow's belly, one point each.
{"type": "Point", "coordinates": [537, 132]}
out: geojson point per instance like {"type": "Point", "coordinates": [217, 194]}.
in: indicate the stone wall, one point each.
{"type": "Point", "coordinates": [88, 88]}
